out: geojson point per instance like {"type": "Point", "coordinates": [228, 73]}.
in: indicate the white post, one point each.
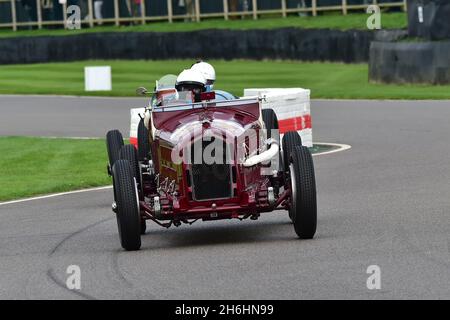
{"type": "Point", "coordinates": [90, 14]}
{"type": "Point", "coordinates": [197, 10]}
{"type": "Point", "coordinates": [39, 13]}
{"type": "Point", "coordinates": [13, 14]}
{"type": "Point", "coordinates": [314, 8]}
{"type": "Point", "coordinates": [283, 8]}
{"type": "Point", "coordinates": [143, 11]}
{"type": "Point", "coordinates": [225, 9]}
{"type": "Point", "coordinates": [170, 10]}
{"type": "Point", "coordinates": [65, 14]}
{"type": "Point", "coordinates": [116, 12]}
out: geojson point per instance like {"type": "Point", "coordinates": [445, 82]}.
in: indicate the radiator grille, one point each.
{"type": "Point", "coordinates": [211, 181]}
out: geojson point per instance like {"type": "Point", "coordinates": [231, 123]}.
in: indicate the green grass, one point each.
{"type": "Point", "coordinates": [326, 80]}
{"type": "Point", "coordinates": [328, 21]}
{"type": "Point", "coordinates": [33, 166]}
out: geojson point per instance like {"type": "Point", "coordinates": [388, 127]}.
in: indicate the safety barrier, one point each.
{"type": "Point", "coordinates": [349, 46]}
{"type": "Point", "coordinates": [292, 107]}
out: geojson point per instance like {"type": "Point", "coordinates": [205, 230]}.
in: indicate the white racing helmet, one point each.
{"type": "Point", "coordinates": [206, 70]}
{"type": "Point", "coordinates": [192, 81]}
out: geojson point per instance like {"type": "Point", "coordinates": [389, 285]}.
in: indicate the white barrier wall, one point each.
{"type": "Point", "coordinates": [292, 107]}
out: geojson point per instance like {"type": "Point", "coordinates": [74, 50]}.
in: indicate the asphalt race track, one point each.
{"type": "Point", "coordinates": [65, 117]}
{"type": "Point", "coordinates": [384, 202]}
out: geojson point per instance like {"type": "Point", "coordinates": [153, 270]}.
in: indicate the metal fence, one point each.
{"type": "Point", "coordinates": [25, 14]}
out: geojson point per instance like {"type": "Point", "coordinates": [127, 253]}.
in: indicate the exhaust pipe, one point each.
{"type": "Point", "coordinates": [265, 156]}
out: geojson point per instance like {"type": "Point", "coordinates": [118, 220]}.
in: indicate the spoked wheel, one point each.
{"type": "Point", "coordinates": [303, 206]}
{"type": "Point", "coordinates": [114, 142]}
{"type": "Point", "coordinates": [127, 201]}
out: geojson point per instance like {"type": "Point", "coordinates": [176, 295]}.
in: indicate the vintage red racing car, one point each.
{"type": "Point", "coordinates": [199, 157]}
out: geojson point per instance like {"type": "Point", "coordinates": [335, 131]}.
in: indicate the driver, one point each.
{"type": "Point", "coordinates": [193, 81]}
{"type": "Point", "coordinates": [207, 71]}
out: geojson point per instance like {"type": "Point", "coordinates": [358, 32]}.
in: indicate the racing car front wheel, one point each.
{"type": "Point", "coordinates": [143, 143]}
{"type": "Point", "coordinates": [291, 139]}
{"type": "Point", "coordinates": [128, 152]}
{"type": "Point", "coordinates": [303, 206]}
{"type": "Point", "coordinates": [114, 142]}
{"type": "Point", "coordinates": [128, 216]}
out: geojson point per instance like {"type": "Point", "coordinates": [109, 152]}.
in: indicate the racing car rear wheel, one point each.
{"type": "Point", "coordinates": [270, 120]}
{"type": "Point", "coordinates": [303, 206]}
{"type": "Point", "coordinates": [128, 152]}
{"type": "Point", "coordinates": [114, 141]}
{"type": "Point", "coordinates": [291, 139]}
{"type": "Point", "coordinates": [128, 217]}
{"type": "Point", "coordinates": [143, 143]}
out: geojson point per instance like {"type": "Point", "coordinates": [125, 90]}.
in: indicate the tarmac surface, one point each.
{"type": "Point", "coordinates": [384, 202]}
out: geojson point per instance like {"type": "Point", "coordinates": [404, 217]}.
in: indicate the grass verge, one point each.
{"type": "Point", "coordinates": [33, 166]}
{"type": "Point", "coordinates": [326, 21]}
{"type": "Point", "coordinates": [326, 80]}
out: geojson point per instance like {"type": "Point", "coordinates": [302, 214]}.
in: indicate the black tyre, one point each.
{"type": "Point", "coordinates": [128, 216]}
{"type": "Point", "coordinates": [270, 120]}
{"type": "Point", "coordinates": [303, 206]}
{"type": "Point", "coordinates": [291, 139]}
{"type": "Point", "coordinates": [128, 152]}
{"type": "Point", "coordinates": [114, 142]}
{"type": "Point", "coordinates": [143, 143]}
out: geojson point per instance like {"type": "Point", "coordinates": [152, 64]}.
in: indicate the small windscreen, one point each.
{"type": "Point", "coordinates": [166, 82]}
{"type": "Point", "coordinates": [169, 98]}
{"type": "Point", "coordinates": [181, 98]}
